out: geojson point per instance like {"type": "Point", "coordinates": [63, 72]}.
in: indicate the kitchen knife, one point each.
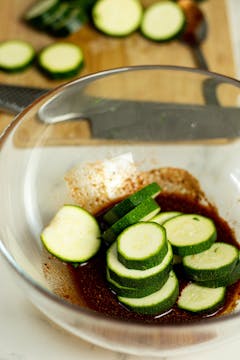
{"type": "Point", "coordinates": [130, 119]}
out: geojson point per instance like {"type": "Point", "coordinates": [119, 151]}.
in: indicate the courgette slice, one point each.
{"type": "Point", "coordinates": [117, 17]}
{"type": "Point", "coordinates": [16, 55]}
{"type": "Point", "coordinates": [163, 21]}
{"type": "Point", "coordinates": [61, 60]}
{"type": "Point", "coordinates": [122, 208]}
{"type": "Point", "coordinates": [160, 301]}
{"type": "Point", "coordinates": [142, 245]}
{"type": "Point", "coordinates": [40, 10]}
{"type": "Point", "coordinates": [227, 280]}
{"type": "Point", "coordinates": [133, 292]}
{"type": "Point", "coordinates": [73, 235]}
{"type": "Point", "coordinates": [211, 264]}
{"type": "Point", "coordinates": [165, 216]}
{"type": "Point", "coordinates": [137, 278]}
{"type": "Point", "coordinates": [200, 299]}
{"type": "Point", "coordinates": [190, 233]}
{"type": "Point", "coordinates": [143, 212]}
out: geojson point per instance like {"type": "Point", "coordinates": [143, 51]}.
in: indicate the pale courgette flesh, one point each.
{"type": "Point", "coordinates": [73, 235]}
{"type": "Point", "coordinates": [216, 262]}
{"type": "Point", "coordinates": [117, 17]}
{"type": "Point", "coordinates": [142, 245]}
{"type": "Point", "coordinates": [165, 216]}
{"type": "Point", "coordinates": [163, 21]}
{"type": "Point", "coordinates": [200, 299]}
{"type": "Point", "coordinates": [61, 60]}
{"type": "Point", "coordinates": [190, 233]}
{"type": "Point", "coordinates": [16, 55]}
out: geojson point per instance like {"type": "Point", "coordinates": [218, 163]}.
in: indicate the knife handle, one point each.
{"type": "Point", "coordinates": [14, 99]}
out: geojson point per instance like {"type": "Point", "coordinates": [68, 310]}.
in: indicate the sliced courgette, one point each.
{"type": "Point", "coordinates": [16, 55]}
{"type": "Point", "coordinates": [69, 23]}
{"type": "Point", "coordinates": [160, 301]}
{"type": "Point", "coordinates": [142, 245]}
{"type": "Point", "coordinates": [143, 212]}
{"type": "Point", "coordinates": [200, 299]}
{"type": "Point", "coordinates": [165, 216]}
{"type": "Point", "coordinates": [211, 264]}
{"type": "Point", "coordinates": [49, 21]}
{"type": "Point", "coordinates": [227, 280]}
{"type": "Point", "coordinates": [117, 17]}
{"type": "Point", "coordinates": [122, 208]}
{"type": "Point", "coordinates": [163, 21]}
{"type": "Point", "coordinates": [133, 292]}
{"type": "Point", "coordinates": [73, 235]}
{"type": "Point", "coordinates": [61, 60]}
{"type": "Point", "coordinates": [40, 10]}
{"type": "Point", "coordinates": [190, 233]}
{"type": "Point", "coordinates": [137, 278]}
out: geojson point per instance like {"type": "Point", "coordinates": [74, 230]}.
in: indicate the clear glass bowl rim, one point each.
{"type": "Point", "coordinates": [47, 293]}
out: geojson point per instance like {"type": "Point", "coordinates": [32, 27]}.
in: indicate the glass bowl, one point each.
{"type": "Point", "coordinates": [166, 117]}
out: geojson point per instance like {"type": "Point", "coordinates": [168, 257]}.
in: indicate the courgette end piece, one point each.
{"type": "Point", "coordinates": [73, 235]}
{"type": "Point", "coordinates": [37, 12]}
{"type": "Point", "coordinates": [70, 23]}
{"type": "Point", "coordinates": [61, 60]}
{"type": "Point", "coordinates": [202, 300]}
{"type": "Point", "coordinates": [118, 18]}
{"type": "Point", "coordinates": [156, 303]}
{"type": "Point", "coordinates": [16, 56]}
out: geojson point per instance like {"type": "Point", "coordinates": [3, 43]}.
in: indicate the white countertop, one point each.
{"type": "Point", "coordinates": [26, 334]}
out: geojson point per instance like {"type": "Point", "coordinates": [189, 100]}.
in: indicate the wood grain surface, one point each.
{"type": "Point", "coordinates": [102, 52]}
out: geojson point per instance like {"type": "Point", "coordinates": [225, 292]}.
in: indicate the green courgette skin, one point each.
{"type": "Point", "coordinates": [63, 23]}
{"type": "Point", "coordinates": [136, 292]}
{"type": "Point", "coordinates": [230, 279]}
{"type": "Point", "coordinates": [159, 307]}
{"type": "Point", "coordinates": [208, 274]}
{"type": "Point", "coordinates": [154, 279]}
{"type": "Point", "coordinates": [68, 25]}
{"type": "Point", "coordinates": [38, 21]}
{"type": "Point", "coordinates": [18, 69]}
{"type": "Point", "coordinates": [168, 39]}
{"type": "Point", "coordinates": [209, 309]}
{"type": "Point", "coordinates": [132, 217]}
{"type": "Point", "coordinates": [60, 75]}
{"type": "Point", "coordinates": [122, 208]}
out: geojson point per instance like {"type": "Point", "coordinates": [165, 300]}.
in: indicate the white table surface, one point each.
{"type": "Point", "coordinates": [26, 334]}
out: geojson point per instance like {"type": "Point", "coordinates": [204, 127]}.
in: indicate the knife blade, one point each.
{"type": "Point", "coordinates": [129, 119]}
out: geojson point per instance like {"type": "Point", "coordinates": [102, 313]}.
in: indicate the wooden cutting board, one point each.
{"type": "Point", "coordinates": [104, 53]}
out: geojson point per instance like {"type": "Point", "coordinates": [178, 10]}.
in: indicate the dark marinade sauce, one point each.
{"type": "Point", "coordinates": [94, 291]}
